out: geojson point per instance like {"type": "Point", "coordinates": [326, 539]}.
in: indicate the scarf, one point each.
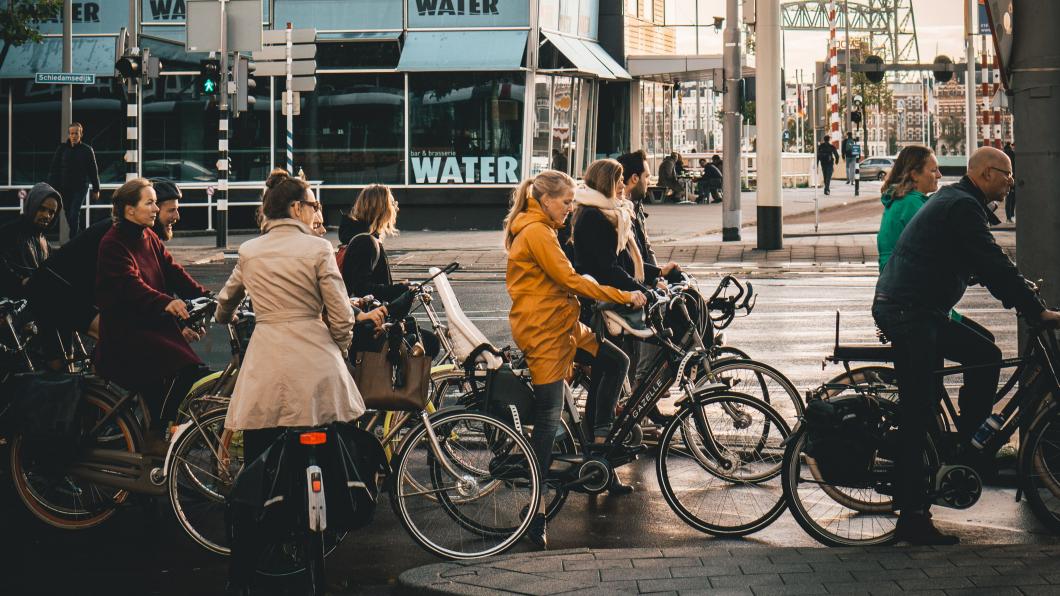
{"type": "Point", "coordinates": [620, 212]}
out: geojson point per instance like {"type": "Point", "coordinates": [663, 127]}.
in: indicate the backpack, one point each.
{"type": "Point", "coordinates": [340, 256]}
{"type": "Point", "coordinates": [843, 435]}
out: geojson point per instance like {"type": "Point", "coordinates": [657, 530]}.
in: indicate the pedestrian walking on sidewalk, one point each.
{"type": "Point", "coordinates": [73, 173]}
{"type": "Point", "coordinates": [544, 315]}
{"type": "Point", "coordinates": [828, 157]}
{"type": "Point", "coordinates": [849, 158]}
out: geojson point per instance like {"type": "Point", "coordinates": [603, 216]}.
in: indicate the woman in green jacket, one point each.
{"type": "Point", "coordinates": [915, 175]}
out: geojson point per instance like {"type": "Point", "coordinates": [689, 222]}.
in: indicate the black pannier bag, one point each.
{"type": "Point", "coordinates": [46, 408]}
{"type": "Point", "coordinates": [843, 434]}
{"type": "Point", "coordinates": [510, 395]}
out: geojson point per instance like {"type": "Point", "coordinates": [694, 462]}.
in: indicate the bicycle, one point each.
{"type": "Point", "coordinates": [747, 454]}
{"type": "Point", "coordinates": [860, 511]}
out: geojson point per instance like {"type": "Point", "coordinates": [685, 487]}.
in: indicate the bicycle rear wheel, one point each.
{"type": "Point", "coordinates": [58, 498]}
{"type": "Point", "coordinates": [833, 512]}
{"type": "Point", "coordinates": [721, 477]}
{"type": "Point", "coordinates": [469, 508]}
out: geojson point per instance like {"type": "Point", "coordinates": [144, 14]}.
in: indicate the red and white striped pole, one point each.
{"type": "Point", "coordinates": [833, 77]}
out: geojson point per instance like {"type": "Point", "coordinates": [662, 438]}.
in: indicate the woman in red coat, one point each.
{"type": "Point", "coordinates": [141, 346]}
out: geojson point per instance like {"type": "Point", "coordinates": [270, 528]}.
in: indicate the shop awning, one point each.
{"type": "Point", "coordinates": [441, 51]}
{"type": "Point", "coordinates": [674, 69]}
{"type": "Point", "coordinates": [92, 55]}
{"type": "Point", "coordinates": [587, 56]}
{"type": "Point", "coordinates": [360, 36]}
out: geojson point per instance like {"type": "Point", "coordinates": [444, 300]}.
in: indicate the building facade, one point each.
{"type": "Point", "coordinates": [450, 102]}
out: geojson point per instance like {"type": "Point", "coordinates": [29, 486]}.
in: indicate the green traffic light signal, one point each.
{"type": "Point", "coordinates": [210, 76]}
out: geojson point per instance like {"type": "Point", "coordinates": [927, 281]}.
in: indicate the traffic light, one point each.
{"type": "Point", "coordinates": [210, 76]}
{"type": "Point", "coordinates": [242, 73]}
{"type": "Point", "coordinates": [130, 65]}
{"type": "Point", "coordinates": [855, 117]}
{"type": "Point", "coordinates": [943, 76]}
{"type": "Point", "coordinates": [877, 75]}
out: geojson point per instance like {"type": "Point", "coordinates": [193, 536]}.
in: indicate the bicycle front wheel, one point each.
{"type": "Point", "coordinates": [1041, 466]}
{"type": "Point", "coordinates": [201, 471]}
{"type": "Point", "coordinates": [466, 487]}
{"type": "Point", "coordinates": [762, 382]}
{"type": "Point", "coordinates": [719, 473]}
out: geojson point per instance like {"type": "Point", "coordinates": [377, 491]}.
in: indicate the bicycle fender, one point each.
{"type": "Point", "coordinates": [178, 432]}
{"type": "Point", "coordinates": [207, 379]}
{"type": "Point", "coordinates": [703, 392]}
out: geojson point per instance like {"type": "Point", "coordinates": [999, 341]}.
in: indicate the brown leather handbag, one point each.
{"type": "Point", "coordinates": [392, 383]}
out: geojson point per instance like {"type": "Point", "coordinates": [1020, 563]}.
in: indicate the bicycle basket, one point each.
{"type": "Point", "coordinates": [509, 395]}
{"type": "Point", "coordinates": [843, 434]}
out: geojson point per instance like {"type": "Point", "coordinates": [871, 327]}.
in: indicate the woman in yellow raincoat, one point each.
{"type": "Point", "coordinates": [544, 317]}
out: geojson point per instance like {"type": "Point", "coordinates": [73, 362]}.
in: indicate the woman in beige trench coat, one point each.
{"type": "Point", "coordinates": [294, 373]}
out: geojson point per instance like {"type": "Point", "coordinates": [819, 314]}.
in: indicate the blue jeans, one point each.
{"type": "Point", "coordinates": [548, 409]}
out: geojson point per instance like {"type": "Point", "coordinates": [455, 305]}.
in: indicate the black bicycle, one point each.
{"type": "Point", "coordinates": [856, 507]}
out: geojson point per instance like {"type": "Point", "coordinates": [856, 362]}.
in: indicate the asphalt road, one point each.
{"type": "Point", "coordinates": [143, 551]}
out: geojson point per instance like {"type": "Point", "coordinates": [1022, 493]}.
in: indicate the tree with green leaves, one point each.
{"type": "Point", "coordinates": [19, 21]}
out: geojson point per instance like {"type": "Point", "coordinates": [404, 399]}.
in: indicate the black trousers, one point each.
{"type": "Point", "coordinates": [248, 541]}
{"type": "Point", "coordinates": [922, 340]}
{"type": "Point", "coordinates": [827, 171]}
{"type": "Point", "coordinates": [1010, 205]}
{"type": "Point", "coordinates": [164, 397]}
{"type": "Point", "coordinates": [609, 369]}
{"type": "Point", "coordinates": [73, 199]}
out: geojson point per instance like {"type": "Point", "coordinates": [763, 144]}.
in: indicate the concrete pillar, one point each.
{"type": "Point", "coordinates": [731, 133]}
{"type": "Point", "coordinates": [769, 198]}
{"type": "Point", "coordinates": [1035, 68]}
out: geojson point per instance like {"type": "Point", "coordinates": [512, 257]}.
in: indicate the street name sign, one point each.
{"type": "Point", "coordinates": [65, 78]}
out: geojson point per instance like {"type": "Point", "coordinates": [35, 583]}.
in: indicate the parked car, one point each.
{"type": "Point", "coordinates": [876, 168]}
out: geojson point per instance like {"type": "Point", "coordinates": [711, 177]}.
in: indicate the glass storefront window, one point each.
{"type": "Point", "coordinates": [351, 130]}
{"type": "Point", "coordinates": [562, 119]}
{"type": "Point", "coordinates": [612, 139]}
{"type": "Point", "coordinates": [358, 54]}
{"type": "Point", "coordinates": [37, 130]}
{"type": "Point", "coordinates": [576, 132]}
{"type": "Point", "coordinates": [102, 113]}
{"type": "Point", "coordinates": [549, 14]}
{"type": "Point", "coordinates": [248, 138]}
{"type": "Point", "coordinates": [4, 136]}
{"type": "Point", "coordinates": [540, 157]}
{"type": "Point", "coordinates": [465, 127]}
{"type": "Point", "coordinates": [179, 139]}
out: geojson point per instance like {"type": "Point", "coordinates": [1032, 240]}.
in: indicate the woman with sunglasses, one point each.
{"type": "Point", "coordinates": [365, 269]}
{"type": "Point", "coordinates": [294, 373]}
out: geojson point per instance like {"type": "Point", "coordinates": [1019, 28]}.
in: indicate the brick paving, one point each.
{"type": "Point", "coordinates": [754, 571]}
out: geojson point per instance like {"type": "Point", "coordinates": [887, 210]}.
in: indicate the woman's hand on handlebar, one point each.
{"type": "Point", "coordinates": [638, 299]}
{"type": "Point", "coordinates": [191, 335]}
{"type": "Point", "coordinates": [376, 316]}
{"type": "Point", "coordinates": [178, 309]}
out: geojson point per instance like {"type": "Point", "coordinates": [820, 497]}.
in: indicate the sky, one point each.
{"type": "Point", "coordinates": [939, 25]}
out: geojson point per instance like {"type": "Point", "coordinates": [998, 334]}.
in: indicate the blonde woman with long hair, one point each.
{"type": "Point", "coordinates": [365, 268]}
{"type": "Point", "coordinates": [544, 316]}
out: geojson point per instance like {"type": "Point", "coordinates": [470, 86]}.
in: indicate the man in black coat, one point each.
{"type": "Point", "coordinates": [23, 246]}
{"type": "Point", "coordinates": [828, 157]}
{"type": "Point", "coordinates": [709, 183]}
{"type": "Point", "coordinates": [945, 244]}
{"type": "Point", "coordinates": [73, 171]}
{"type": "Point", "coordinates": [63, 290]}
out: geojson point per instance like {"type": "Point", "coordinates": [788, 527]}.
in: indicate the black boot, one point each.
{"type": "Point", "coordinates": [538, 531]}
{"type": "Point", "coordinates": [917, 529]}
{"type": "Point", "coordinates": [618, 488]}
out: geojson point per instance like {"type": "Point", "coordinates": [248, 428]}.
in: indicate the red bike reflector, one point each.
{"type": "Point", "coordinates": [316, 438]}
{"type": "Point", "coordinates": [316, 485]}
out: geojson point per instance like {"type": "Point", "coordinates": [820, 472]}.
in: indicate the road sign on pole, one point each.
{"type": "Point", "coordinates": [64, 78]}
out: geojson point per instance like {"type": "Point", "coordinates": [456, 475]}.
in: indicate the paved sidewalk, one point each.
{"type": "Point", "coordinates": [972, 569]}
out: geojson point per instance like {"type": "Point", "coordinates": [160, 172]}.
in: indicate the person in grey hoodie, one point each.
{"type": "Point", "coordinates": [23, 246]}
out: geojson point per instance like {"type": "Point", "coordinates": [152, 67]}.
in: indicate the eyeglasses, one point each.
{"type": "Point", "coordinates": [1007, 173]}
{"type": "Point", "coordinates": [314, 204]}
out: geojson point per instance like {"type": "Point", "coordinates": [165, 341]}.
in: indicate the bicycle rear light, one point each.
{"type": "Point", "coordinates": [313, 438]}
